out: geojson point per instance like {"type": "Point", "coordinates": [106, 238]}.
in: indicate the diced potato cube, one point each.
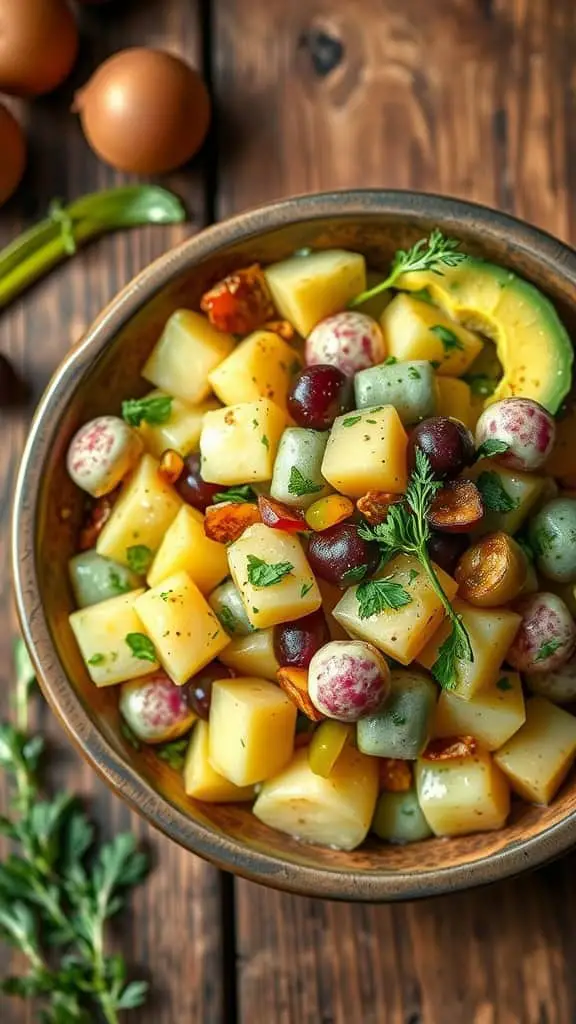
{"type": "Point", "coordinates": [187, 351]}
{"type": "Point", "coordinates": [252, 726]}
{"type": "Point", "coordinates": [181, 625]}
{"type": "Point", "coordinates": [464, 794]}
{"type": "Point", "coordinates": [294, 595]}
{"type": "Point", "coordinates": [145, 509]}
{"type": "Point", "coordinates": [186, 547]}
{"type": "Point", "coordinates": [101, 632]}
{"type": "Point", "coordinates": [523, 488]}
{"type": "Point", "coordinates": [366, 451]}
{"type": "Point", "coordinates": [402, 632]}
{"type": "Point", "coordinates": [306, 289]}
{"type": "Point", "coordinates": [181, 431]}
{"type": "Point", "coordinates": [538, 757]}
{"type": "Point", "coordinates": [334, 811]}
{"type": "Point", "coordinates": [261, 366]}
{"type": "Point", "coordinates": [414, 329]}
{"type": "Point", "coordinates": [455, 399]}
{"type": "Point", "coordinates": [252, 655]}
{"type": "Point", "coordinates": [201, 781]}
{"type": "Point", "coordinates": [491, 632]}
{"type": "Point", "coordinates": [492, 716]}
{"type": "Point", "coordinates": [239, 444]}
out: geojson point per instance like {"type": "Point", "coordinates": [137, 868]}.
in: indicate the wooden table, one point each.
{"type": "Point", "coordinates": [475, 98]}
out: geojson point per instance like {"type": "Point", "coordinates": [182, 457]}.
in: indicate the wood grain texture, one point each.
{"type": "Point", "coordinates": [473, 98]}
{"type": "Point", "coordinates": [173, 932]}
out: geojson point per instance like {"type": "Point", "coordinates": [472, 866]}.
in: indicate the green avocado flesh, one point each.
{"type": "Point", "coordinates": [532, 344]}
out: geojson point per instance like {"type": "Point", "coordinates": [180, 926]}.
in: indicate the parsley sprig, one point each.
{"type": "Point", "coordinates": [406, 531]}
{"type": "Point", "coordinates": [59, 887]}
{"type": "Point", "coordinates": [266, 574]}
{"type": "Point", "coordinates": [427, 254]}
{"type": "Point", "coordinates": [154, 410]}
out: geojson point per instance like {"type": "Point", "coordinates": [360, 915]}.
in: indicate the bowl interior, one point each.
{"type": "Point", "coordinates": [104, 370]}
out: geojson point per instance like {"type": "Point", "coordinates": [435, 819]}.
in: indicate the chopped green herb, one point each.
{"type": "Point", "coordinates": [450, 340]}
{"type": "Point", "coordinates": [299, 484]}
{"type": "Point", "coordinates": [351, 421]}
{"type": "Point", "coordinates": [504, 683]}
{"type": "Point", "coordinates": [435, 363]}
{"type": "Point", "coordinates": [165, 594]}
{"type": "Point", "coordinates": [491, 447]}
{"type": "Point", "coordinates": [295, 366]}
{"type": "Point", "coordinates": [397, 718]}
{"type": "Point", "coordinates": [227, 619]}
{"type": "Point", "coordinates": [116, 584]}
{"type": "Point", "coordinates": [238, 494]}
{"type": "Point", "coordinates": [423, 295]}
{"type": "Point", "coordinates": [174, 753]}
{"type": "Point", "coordinates": [141, 646]}
{"type": "Point", "coordinates": [375, 596]}
{"type": "Point", "coordinates": [543, 541]}
{"type": "Point", "coordinates": [305, 589]}
{"type": "Point", "coordinates": [139, 558]}
{"type": "Point", "coordinates": [152, 410]}
{"type": "Point", "coordinates": [266, 574]}
{"type": "Point", "coordinates": [264, 440]}
{"type": "Point", "coordinates": [494, 495]}
{"type": "Point", "coordinates": [97, 659]}
{"type": "Point", "coordinates": [355, 574]}
{"type": "Point", "coordinates": [390, 360]}
{"type": "Point", "coordinates": [547, 649]}
{"type": "Point", "coordinates": [413, 574]}
{"type": "Point", "coordinates": [414, 374]}
{"type": "Point", "coordinates": [255, 610]}
{"type": "Point", "coordinates": [242, 742]}
{"type": "Point", "coordinates": [426, 254]}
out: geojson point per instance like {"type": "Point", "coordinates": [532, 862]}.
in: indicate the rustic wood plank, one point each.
{"type": "Point", "coordinates": [461, 97]}
{"type": "Point", "coordinates": [173, 932]}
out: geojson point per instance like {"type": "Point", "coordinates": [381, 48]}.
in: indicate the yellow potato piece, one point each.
{"type": "Point", "coordinates": [188, 350]}
{"type": "Point", "coordinates": [401, 632]}
{"type": "Point", "coordinates": [182, 626]}
{"type": "Point", "coordinates": [367, 451]}
{"type": "Point", "coordinates": [181, 431]}
{"type": "Point", "coordinates": [144, 511]}
{"type": "Point", "coordinates": [239, 444]}
{"type": "Point", "coordinates": [261, 366]}
{"type": "Point", "coordinates": [491, 632]}
{"type": "Point", "coordinates": [293, 596]}
{"type": "Point", "coordinates": [252, 655]}
{"type": "Point", "coordinates": [492, 716]}
{"type": "Point", "coordinates": [455, 399]}
{"type": "Point", "coordinates": [186, 547]}
{"type": "Point", "coordinates": [201, 781]}
{"type": "Point", "coordinates": [252, 725]}
{"type": "Point", "coordinates": [414, 329]}
{"type": "Point", "coordinates": [306, 289]}
{"type": "Point", "coordinates": [523, 488]}
{"type": "Point", "coordinates": [334, 811]}
{"type": "Point", "coordinates": [466, 794]}
{"type": "Point", "coordinates": [538, 757]}
{"type": "Point", "coordinates": [101, 631]}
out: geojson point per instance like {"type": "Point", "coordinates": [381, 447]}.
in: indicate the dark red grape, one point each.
{"type": "Point", "coordinates": [446, 548]}
{"type": "Point", "coordinates": [198, 690]}
{"type": "Point", "coordinates": [296, 643]}
{"type": "Point", "coordinates": [448, 444]}
{"type": "Point", "coordinates": [340, 556]}
{"type": "Point", "coordinates": [192, 488]}
{"type": "Point", "coordinates": [320, 394]}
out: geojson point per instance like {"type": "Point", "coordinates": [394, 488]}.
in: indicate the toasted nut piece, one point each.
{"type": "Point", "coordinates": [492, 572]}
{"type": "Point", "coordinates": [449, 748]}
{"type": "Point", "coordinates": [328, 511]}
{"type": "Point", "coordinates": [374, 505]}
{"type": "Point", "coordinates": [240, 302]}
{"type": "Point", "coordinates": [395, 775]}
{"type": "Point", "coordinates": [171, 466]}
{"type": "Point", "coordinates": [280, 517]}
{"type": "Point", "coordinates": [228, 520]}
{"type": "Point", "coordinates": [457, 507]}
{"type": "Point", "coordinates": [294, 682]}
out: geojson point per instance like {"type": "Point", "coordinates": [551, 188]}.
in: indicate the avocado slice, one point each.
{"type": "Point", "coordinates": [532, 344]}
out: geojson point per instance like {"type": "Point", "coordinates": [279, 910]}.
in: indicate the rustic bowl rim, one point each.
{"type": "Point", "coordinates": [223, 851]}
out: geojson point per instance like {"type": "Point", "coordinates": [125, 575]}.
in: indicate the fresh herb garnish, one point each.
{"type": "Point", "coordinates": [547, 649]}
{"type": "Point", "coordinates": [504, 683]}
{"type": "Point", "coordinates": [390, 360]}
{"type": "Point", "coordinates": [450, 340]}
{"type": "Point", "coordinates": [494, 495]}
{"type": "Point", "coordinates": [305, 589]}
{"type": "Point", "coordinates": [139, 558]}
{"type": "Point", "coordinates": [141, 646]}
{"type": "Point", "coordinates": [97, 659]}
{"type": "Point", "coordinates": [236, 494]}
{"type": "Point", "coordinates": [435, 364]}
{"type": "Point", "coordinates": [152, 410]}
{"type": "Point", "coordinates": [264, 440]}
{"type": "Point", "coordinates": [480, 384]}
{"type": "Point", "coordinates": [299, 484]}
{"type": "Point", "coordinates": [59, 888]}
{"type": "Point", "coordinates": [227, 619]}
{"type": "Point", "coordinates": [355, 574]}
{"type": "Point", "coordinates": [543, 541]}
{"type": "Point", "coordinates": [412, 575]}
{"type": "Point", "coordinates": [375, 596]}
{"type": "Point", "coordinates": [266, 574]}
{"type": "Point", "coordinates": [491, 447]}
{"type": "Point", "coordinates": [397, 718]}
{"type": "Point", "coordinates": [117, 584]}
{"type": "Point", "coordinates": [351, 421]}
{"type": "Point", "coordinates": [174, 753]}
{"type": "Point", "coordinates": [406, 531]}
{"type": "Point", "coordinates": [413, 373]}
{"type": "Point", "coordinates": [165, 594]}
{"type": "Point", "coordinates": [427, 254]}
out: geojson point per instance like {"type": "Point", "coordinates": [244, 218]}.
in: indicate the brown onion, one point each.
{"type": "Point", "coordinates": [13, 154]}
{"type": "Point", "coordinates": [144, 111]}
{"type": "Point", "coordinates": [38, 45]}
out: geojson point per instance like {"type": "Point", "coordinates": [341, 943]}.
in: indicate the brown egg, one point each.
{"type": "Point", "coordinates": [38, 45]}
{"type": "Point", "coordinates": [144, 111]}
{"type": "Point", "coordinates": [13, 154]}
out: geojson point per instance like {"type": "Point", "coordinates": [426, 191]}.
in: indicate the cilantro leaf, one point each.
{"type": "Point", "coordinates": [266, 574]}
{"type": "Point", "coordinates": [494, 495]}
{"type": "Point", "coordinates": [153, 410]}
{"type": "Point", "coordinates": [139, 558]}
{"type": "Point", "coordinates": [351, 421]}
{"type": "Point", "coordinates": [375, 596]}
{"type": "Point", "coordinates": [299, 484]}
{"type": "Point", "coordinates": [450, 340]}
{"type": "Point", "coordinates": [547, 649]}
{"type": "Point", "coordinates": [491, 447]}
{"type": "Point", "coordinates": [238, 495]}
{"type": "Point", "coordinates": [355, 574]}
{"type": "Point", "coordinates": [97, 659]}
{"type": "Point", "coordinates": [141, 646]}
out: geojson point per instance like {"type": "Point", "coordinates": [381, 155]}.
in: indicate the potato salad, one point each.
{"type": "Point", "coordinates": [329, 560]}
